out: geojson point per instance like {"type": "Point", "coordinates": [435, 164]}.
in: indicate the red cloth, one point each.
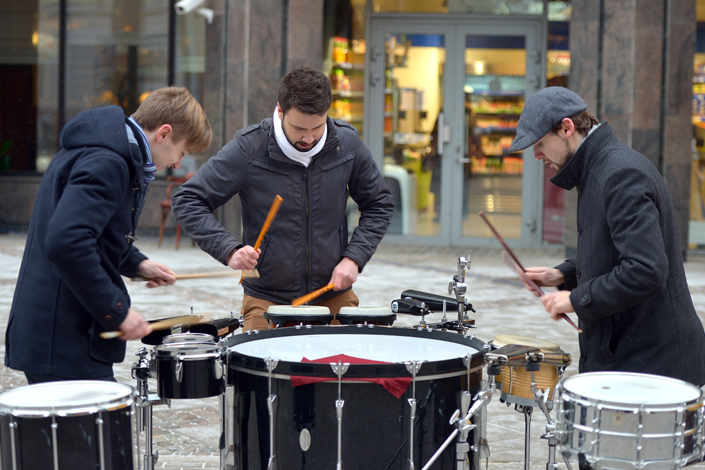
{"type": "Point", "coordinates": [396, 385]}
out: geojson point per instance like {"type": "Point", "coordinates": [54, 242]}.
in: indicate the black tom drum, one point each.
{"type": "Point", "coordinates": [189, 370]}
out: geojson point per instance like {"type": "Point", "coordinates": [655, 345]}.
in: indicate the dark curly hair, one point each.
{"type": "Point", "coordinates": [306, 89]}
{"type": "Point", "coordinates": [583, 122]}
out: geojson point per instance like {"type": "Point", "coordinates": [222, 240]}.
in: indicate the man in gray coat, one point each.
{"type": "Point", "coordinates": [314, 163]}
{"type": "Point", "coordinates": [626, 284]}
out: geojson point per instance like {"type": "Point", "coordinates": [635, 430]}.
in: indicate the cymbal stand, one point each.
{"type": "Point", "coordinates": [463, 427]}
{"type": "Point", "coordinates": [552, 435]}
{"type": "Point", "coordinates": [458, 287]}
{"type": "Point", "coordinates": [141, 372]}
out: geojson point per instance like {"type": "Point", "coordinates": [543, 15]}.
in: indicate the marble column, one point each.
{"type": "Point", "coordinates": [631, 60]}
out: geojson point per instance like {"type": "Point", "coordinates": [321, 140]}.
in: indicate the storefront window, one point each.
{"type": "Point", "coordinates": [115, 52]}
{"type": "Point", "coordinates": [696, 232]}
{"type": "Point", "coordinates": [477, 7]}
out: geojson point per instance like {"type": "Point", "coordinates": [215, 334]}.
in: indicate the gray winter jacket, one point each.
{"type": "Point", "coordinates": [627, 282]}
{"type": "Point", "coordinates": [309, 235]}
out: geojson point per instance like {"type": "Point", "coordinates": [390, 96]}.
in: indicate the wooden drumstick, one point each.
{"type": "Point", "coordinates": [267, 222]}
{"type": "Point", "coordinates": [244, 273]}
{"type": "Point", "coordinates": [160, 325]}
{"type": "Point", "coordinates": [533, 286]}
{"type": "Point", "coordinates": [308, 297]}
{"type": "Point", "coordinates": [501, 240]}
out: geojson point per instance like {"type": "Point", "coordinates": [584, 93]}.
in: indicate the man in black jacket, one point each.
{"type": "Point", "coordinates": [313, 162]}
{"type": "Point", "coordinates": [79, 244]}
{"type": "Point", "coordinates": [627, 283]}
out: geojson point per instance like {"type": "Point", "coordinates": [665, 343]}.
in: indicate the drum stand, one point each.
{"type": "Point", "coordinates": [541, 398]}
{"type": "Point", "coordinates": [144, 402]}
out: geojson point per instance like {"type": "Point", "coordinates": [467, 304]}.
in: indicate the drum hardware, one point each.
{"type": "Point", "coordinates": [339, 369]}
{"type": "Point", "coordinates": [271, 365]}
{"type": "Point", "coordinates": [413, 367]}
{"type": "Point", "coordinates": [462, 428]}
{"type": "Point", "coordinates": [142, 370]}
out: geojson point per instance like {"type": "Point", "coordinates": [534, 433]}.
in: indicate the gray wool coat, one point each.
{"type": "Point", "coordinates": [627, 281]}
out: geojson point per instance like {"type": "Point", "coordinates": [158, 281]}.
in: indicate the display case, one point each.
{"type": "Point", "coordinates": [347, 72]}
{"type": "Point", "coordinates": [495, 104]}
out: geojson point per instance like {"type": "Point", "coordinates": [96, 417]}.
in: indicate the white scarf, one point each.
{"type": "Point", "coordinates": [289, 150]}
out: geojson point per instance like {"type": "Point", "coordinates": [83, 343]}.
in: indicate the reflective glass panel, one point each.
{"type": "Point", "coordinates": [494, 98]}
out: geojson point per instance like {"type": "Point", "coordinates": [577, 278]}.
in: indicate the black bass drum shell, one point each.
{"type": "Point", "coordinates": [375, 424]}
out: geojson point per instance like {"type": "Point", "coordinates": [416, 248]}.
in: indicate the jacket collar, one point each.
{"type": "Point", "coordinates": [276, 152]}
{"type": "Point", "coordinates": [589, 151]}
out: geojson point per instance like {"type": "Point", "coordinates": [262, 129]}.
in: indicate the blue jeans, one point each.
{"type": "Point", "coordinates": [39, 378]}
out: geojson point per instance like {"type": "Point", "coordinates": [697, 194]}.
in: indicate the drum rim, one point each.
{"type": "Point", "coordinates": [43, 411]}
{"type": "Point", "coordinates": [205, 337]}
{"type": "Point", "coordinates": [186, 349]}
{"type": "Point", "coordinates": [612, 374]}
{"type": "Point", "coordinates": [428, 371]}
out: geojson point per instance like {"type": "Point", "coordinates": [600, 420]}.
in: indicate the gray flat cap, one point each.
{"type": "Point", "coordinates": [542, 112]}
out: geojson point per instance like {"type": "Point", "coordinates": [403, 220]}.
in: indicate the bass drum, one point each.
{"type": "Point", "coordinates": [310, 426]}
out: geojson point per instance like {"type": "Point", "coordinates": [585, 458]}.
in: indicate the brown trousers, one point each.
{"type": "Point", "coordinates": [253, 309]}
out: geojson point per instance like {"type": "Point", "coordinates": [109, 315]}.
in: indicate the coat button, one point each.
{"type": "Point", "coordinates": [584, 298]}
{"type": "Point", "coordinates": [107, 318]}
{"type": "Point", "coordinates": [119, 305]}
{"type": "Point", "coordinates": [578, 273]}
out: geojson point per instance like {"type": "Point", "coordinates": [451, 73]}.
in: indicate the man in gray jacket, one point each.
{"type": "Point", "coordinates": [314, 163]}
{"type": "Point", "coordinates": [627, 283]}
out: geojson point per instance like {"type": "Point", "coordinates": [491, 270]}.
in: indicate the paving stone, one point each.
{"type": "Point", "coordinates": [186, 434]}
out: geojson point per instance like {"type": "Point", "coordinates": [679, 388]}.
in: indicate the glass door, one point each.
{"type": "Point", "coordinates": [442, 105]}
{"type": "Point", "coordinates": [502, 68]}
{"type": "Point", "coordinates": [408, 83]}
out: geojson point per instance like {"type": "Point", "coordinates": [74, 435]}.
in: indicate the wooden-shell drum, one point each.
{"type": "Point", "coordinates": [516, 381]}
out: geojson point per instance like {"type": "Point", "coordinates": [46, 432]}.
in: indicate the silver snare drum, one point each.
{"type": "Point", "coordinates": [621, 420]}
{"type": "Point", "coordinates": [77, 424]}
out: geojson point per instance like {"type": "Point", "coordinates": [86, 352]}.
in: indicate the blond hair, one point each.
{"type": "Point", "coordinates": [177, 107]}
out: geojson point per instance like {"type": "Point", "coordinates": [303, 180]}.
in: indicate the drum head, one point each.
{"type": "Point", "coordinates": [546, 346]}
{"type": "Point", "coordinates": [281, 314]}
{"type": "Point", "coordinates": [66, 398]}
{"type": "Point", "coordinates": [439, 352]}
{"type": "Point", "coordinates": [631, 388]}
{"type": "Point", "coordinates": [306, 310]}
{"type": "Point", "coordinates": [353, 315]}
{"type": "Point", "coordinates": [189, 338]}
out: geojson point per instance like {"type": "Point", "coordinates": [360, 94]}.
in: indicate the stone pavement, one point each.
{"type": "Point", "coordinates": [186, 434]}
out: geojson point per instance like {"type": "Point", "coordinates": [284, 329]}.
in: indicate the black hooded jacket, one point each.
{"type": "Point", "coordinates": [79, 244]}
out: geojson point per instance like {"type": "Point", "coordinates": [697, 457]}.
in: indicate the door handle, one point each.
{"type": "Point", "coordinates": [463, 160]}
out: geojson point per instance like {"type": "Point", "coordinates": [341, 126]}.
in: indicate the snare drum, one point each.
{"type": "Point", "coordinates": [189, 338]}
{"type": "Point", "coordinates": [76, 424]}
{"type": "Point", "coordinates": [288, 315]}
{"type": "Point", "coordinates": [516, 381]}
{"type": "Point", "coordinates": [189, 370]}
{"type": "Point", "coordinates": [374, 424]}
{"type": "Point", "coordinates": [366, 315]}
{"type": "Point", "coordinates": [622, 420]}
